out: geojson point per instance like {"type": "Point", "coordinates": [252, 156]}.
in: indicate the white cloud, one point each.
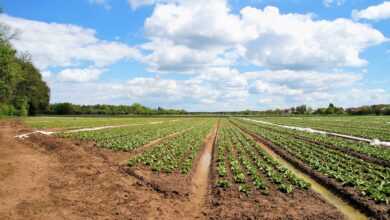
{"type": "Point", "coordinates": [290, 88]}
{"type": "Point", "coordinates": [306, 79]}
{"type": "Point", "coordinates": [275, 89]}
{"type": "Point", "coordinates": [295, 41]}
{"type": "Point", "coordinates": [376, 12]}
{"type": "Point", "coordinates": [165, 56]}
{"type": "Point", "coordinates": [227, 90]}
{"type": "Point", "coordinates": [104, 3]}
{"type": "Point", "coordinates": [79, 75]}
{"type": "Point", "coordinates": [153, 89]}
{"type": "Point", "coordinates": [64, 45]}
{"type": "Point", "coordinates": [329, 3]}
{"type": "Point", "coordinates": [196, 24]}
{"type": "Point", "coordinates": [180, 43]}
{"type": "Point", "coordinates": [217, 84]}
{"type": "Point", "coordinates": [265, 38]}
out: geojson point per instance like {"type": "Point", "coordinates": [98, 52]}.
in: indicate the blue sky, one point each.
{"type": "Point", "coordinates": [207, 55]}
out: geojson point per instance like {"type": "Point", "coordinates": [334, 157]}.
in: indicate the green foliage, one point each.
{"type": "Point", "coordinates": [22, 106]}
{"type": "Point", "coordinates": [176, 154]}
{"type": "Point", "coordinates": [132, 135]}
{"type": "Point", "coordinates": [249, 164]}
{"type": "Point", "coordinates": [7, 109]}
{"type": "Point", "coordinates": [21, 84]}
{"type": "Point", "coordinates": [134, 109]}
{"type": "Point", "coordinates": [368, 179]}
{"type": "Point", "coordinates": [223, 183]}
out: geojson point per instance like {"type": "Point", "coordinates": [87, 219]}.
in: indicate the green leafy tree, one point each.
{"type": "Point", "coordinates": [22, 88]}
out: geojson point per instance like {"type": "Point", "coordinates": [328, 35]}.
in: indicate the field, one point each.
{"type": "Point", "coordinates": [372, 127]}
{"type": "Point", "coordinates": [198, 168]}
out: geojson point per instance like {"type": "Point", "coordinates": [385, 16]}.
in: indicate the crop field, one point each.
{"type": "Point", "coordinates": [372, 127]}
{"type": "Point", "coordinates": [86, 122]}
{"type": "Point", "coordinates": [255, 170]}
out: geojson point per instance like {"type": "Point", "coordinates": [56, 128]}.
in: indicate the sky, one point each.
{"type": "Point", "coordinates": [207, 55]}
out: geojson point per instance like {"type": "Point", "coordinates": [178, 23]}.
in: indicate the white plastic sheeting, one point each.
{"type": "Point", "coordinates": [23, 136]}
{"type": "Point", "coordinates": [26, 135]}
{"type": "Point", "coordinates": [375, 142]}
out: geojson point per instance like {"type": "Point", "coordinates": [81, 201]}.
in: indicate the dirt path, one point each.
{"type": "Point", "coordinates": [200, 177]}
{"type": "Point", "coordinates": [24, 180]}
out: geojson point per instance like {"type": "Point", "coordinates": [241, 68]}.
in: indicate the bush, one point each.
{"type": "Point", "coordinates": [7, 110]}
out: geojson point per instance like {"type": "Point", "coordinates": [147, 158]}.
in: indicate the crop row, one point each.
{"type": "Point", "coordinates": [133, 136]}
{"type": "Point", "coordinates": [242, 161]}
{"type": "Point", "coordinates": [175, 154]}
{"type": "Point", "coordinates": [338, 142]}
{"type": "Point", "coordinates": [86, 122]}
{"type": "Point", "coordinates": [369, 180]}
{"type": "Point", "coordinates": [365, 127]}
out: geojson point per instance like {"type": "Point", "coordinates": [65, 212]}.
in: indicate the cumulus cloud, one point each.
{"type": "Point", "coordinates": [188, 35]}
{"type": "Point", "coordinates": [64, 45]}
{"type": "Point", "coordinates": [227, 89]}
{"type": "Point", "coordinates": [296, 41]}
{"type": "Point", "coordinates": [294, 87]}
{"type": "Point", "coordinates": [166, 56]}
{"type": "Point", "coordinates": [79, 75]}
{"type": "Point", "coordinates": [218, 84]}
{"type": "Point", "coordinates": [266, 38]}
{"type": "Point", "coordinates": [376, 12]}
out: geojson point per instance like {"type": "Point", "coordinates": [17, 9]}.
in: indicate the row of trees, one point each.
{"type": "Point", "coordinates": [134, 109]}
{"type": "Point", "coordinates": [370, 110]}
{"type": "Point", "coordinates": [330, 110]}
{"type": "Point", "coordinates": [22, 90]}
{"type": "Point", "coordinates": [334, 110]}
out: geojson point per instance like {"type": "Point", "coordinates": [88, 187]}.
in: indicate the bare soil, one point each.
{"type": "Point", "coordinates": [46, 177]}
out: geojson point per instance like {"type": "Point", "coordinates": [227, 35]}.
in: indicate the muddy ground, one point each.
{"type": "Point", "coordinates": [46, 177]}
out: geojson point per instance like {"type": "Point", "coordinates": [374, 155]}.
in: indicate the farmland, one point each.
{"type": "Point", "coordinates": [372, 127]}
{"type": "Point", "coordinates": [252, 169]}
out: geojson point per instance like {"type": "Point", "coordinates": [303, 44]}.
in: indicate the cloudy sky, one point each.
{"type": "Point", "coordinates": [207, 55]}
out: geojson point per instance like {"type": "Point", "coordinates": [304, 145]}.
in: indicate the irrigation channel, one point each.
{"type": "Point", "coordinates": [345, 208]}
{"type": "Point", "coordinates": [200, 178]}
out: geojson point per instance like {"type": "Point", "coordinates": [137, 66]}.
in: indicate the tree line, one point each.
{"type": "Point", "coordinates": [331, 109]}
{"type": "Point", "coordinates": [134, 109]}
{"type": "Point", "coordinates": [22, 90]}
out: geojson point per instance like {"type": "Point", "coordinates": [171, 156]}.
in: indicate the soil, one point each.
{"type": "Point", "coordinates": [44, 177]}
